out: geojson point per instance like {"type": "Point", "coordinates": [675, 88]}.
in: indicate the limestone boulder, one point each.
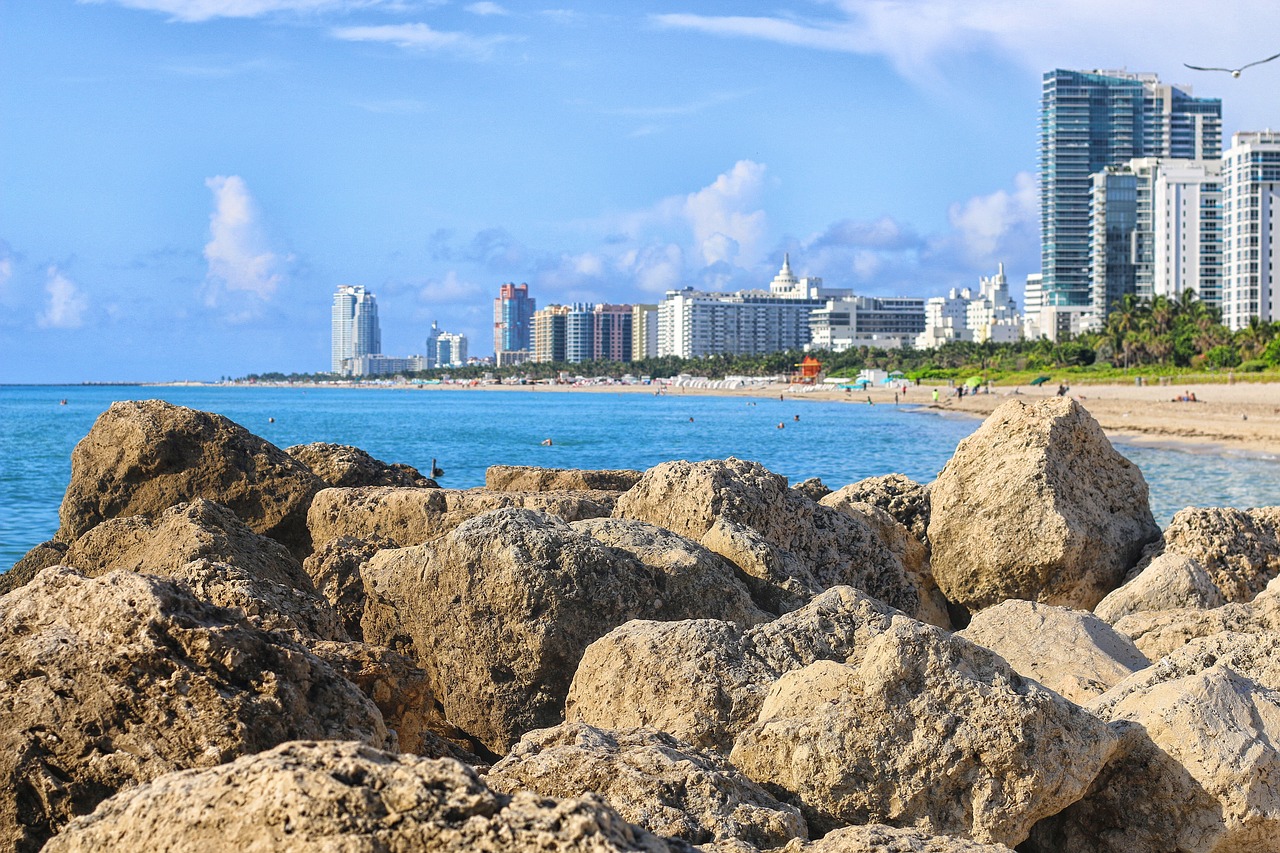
{"type": "Point", "coordinates": [1238, 549]}
{"type": "Point", "coordinates": [1198, 766]}
{"type": "Point", "coordinates": [343, 466]}
{"type": "Point", "coordinates": [40, 557]}
{"type": "Point", "coordinates": [703, 681]}
{"type": "Point", "coordinates": [923, 729]}
{"type": "Point", "coordinates": [321, 797]}
{"type": "Point", "coordinates": [142, 457]}
{"type": "Point", "coordinates": [751, 510]}
{"type": "Point", "coordinates": [688, 575]}
{"type": "Point", "coordinates": [116, 680]}
{"type": "Point", "coordinates": [526, 478]}
{"type": "Point", "coordinates": [1161, 632]}
{"type": "Point", "coordinates": [654, 780]}
{"type": "Point", "coordinates": [207, 547]}
{"type": "Point", "coordinates": [813, 488]}
{"type": "Point", "coordinates": [335, 570]}
{"type": "Point", "coordinates": [1037, 505]}
{"type": "Point", "coordinates": [499, 611]}
{"type": "Point", "coordinates": [1169, 582]}
{"type": "Point", "coordinates": [900, 496]}
{"type": "Point", "coordinates": [878, 838]}
{"type": "Point", "coordinates": [1071, 652]}
{"type": "Point", "coordinates": [406, 517]}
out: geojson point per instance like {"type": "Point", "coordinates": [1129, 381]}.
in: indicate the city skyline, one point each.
{"type": "Point", "coordinates": [186, 183]}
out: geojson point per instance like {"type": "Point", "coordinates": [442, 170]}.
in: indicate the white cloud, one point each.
{"type": "Point", "coordinates": [195, 11]}
{"type": "Point", "coordinates": [422, 37]}
{"type": "Point", "coordinates": [727, 224]}
{"type": "Point", "coordinates": [237, 252]}
{"type": "Point", "coordinates": [67, 303]}
{"type": "Point", "coordinates": [983, 222]}
{"type": "Point", "coordinates": [486, 8]}
{"type": "Point", "coordinates": [450, 289]}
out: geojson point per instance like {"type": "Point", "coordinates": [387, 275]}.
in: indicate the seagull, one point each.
{"type": "Point", "coordinates": [1235, 72]}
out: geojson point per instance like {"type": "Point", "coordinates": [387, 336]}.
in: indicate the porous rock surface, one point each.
{"type": "Point", "coordinates": [1238, 549]}
{"type": "Point", "coordinates": [1169, 582]}
{"type": "Point", "coordinates": [1037, 504]}
{"type": "Point", "coordinates": [813, 488]}
{"type": "Point", "coordinates": [322, 797]}
{"type": "Point", "coordinates": [784, 540]}
{"type": "Point", "coordinates": [413, 516]}
{"type": "Point", "coordinates": [499, 611]}
{"type": "Point", "coordinates": [1161, 632]}
{"type": "Point", "coordinates": [527, 478]}
{"type": "Point", "coordinates": [653, 780]}
{"type": "Point", "coordinates": [40, 557]}
{"type": "Point", "coordinates": [116, 680]}
{"type": "Point", "coordinates": [207, 547]}
{"type": "Point", "coordinates": [335, 569]}
{"type": "Point", "coordinates": [142, 457]}
{"type": "Point", "coordinates": [703, 680]}
{"type": "Point", "coordinates": [878, 838]}
{"type": "Point", "coordinates": [897, 494]}
{"type": "Point", "coordinates": [923, 729]}
{"type": "Point", "coordinates": [341, 465]}
{"type": "Point", "coordinates": [1198, 766]}
{"type": "Point", "coordinates": [1071, 652]}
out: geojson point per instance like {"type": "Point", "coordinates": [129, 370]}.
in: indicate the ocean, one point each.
{"type": "Point", "coordinates": [467, 431]}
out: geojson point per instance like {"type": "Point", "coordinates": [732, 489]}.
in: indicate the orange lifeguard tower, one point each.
{"type": "Point", "coordinates": [808, 372]}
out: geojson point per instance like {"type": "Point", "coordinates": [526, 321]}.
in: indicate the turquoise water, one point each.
{"type": "Point", "coordinates": [467, 431]}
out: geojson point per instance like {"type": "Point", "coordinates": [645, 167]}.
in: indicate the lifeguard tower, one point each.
{"type": "Point", "coordinates": [807, 371]}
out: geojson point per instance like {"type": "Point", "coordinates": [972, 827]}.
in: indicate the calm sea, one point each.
{"type": "Point", "coordinates": [466, 431]}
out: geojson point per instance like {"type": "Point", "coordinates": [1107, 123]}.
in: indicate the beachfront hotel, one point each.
{"type": "Point", "coordinates": [583, 332]}
{"type": "Point", "coordinates": [1250, 185]}
{"type": "Point", "coordinates": [1090, 120]}
{"type": "Point", "coordinates": [355, 327]}
{"type": "Point", "coordinates": [513, 311]}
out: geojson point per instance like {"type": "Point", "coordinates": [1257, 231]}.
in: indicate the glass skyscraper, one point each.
{"type": "Point", "coordinates": [513, 319]}
{"type": "Point", "coordinates": [1090, 120]}
{"type": "Point", "coordinates": [355, 325]}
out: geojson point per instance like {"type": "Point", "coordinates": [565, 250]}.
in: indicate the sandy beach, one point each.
{"type": "Point", "coordinates": [1243, 417]}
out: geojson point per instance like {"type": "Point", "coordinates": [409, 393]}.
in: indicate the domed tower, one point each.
{"type": "Point", "coordinates": [785, 283]}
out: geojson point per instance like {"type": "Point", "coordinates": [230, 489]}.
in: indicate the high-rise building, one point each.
{"type": "Point", "coordinates": [644, 332]}
{"type": "Point", "coordinates": [355, 325]}
{"type": "Point", "coordinates": [1250, 187]}
{"type": "Point", "coordinates": [990, 314]}
{"type": "Point", "coordinates": [583, 332]}
{"type": "Point", "coordinates": [513, 318]}
{"type": "Point", "coordinates": [451, 350]}
{"type": "Point", "coordinates": [549, 333]}
{"type": "Point", "coordinates": [883, 322]}
{"type": "Point", "coordinates": [1090, 120]}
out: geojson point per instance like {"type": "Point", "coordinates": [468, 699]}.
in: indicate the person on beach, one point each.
{"type": "Point", "coordinates": [1062, 390]}
{"type": "Point", "coordinates": [935, 395]}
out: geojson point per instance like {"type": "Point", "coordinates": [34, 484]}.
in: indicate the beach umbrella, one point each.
{"type": "Point", "coordinates": [1039, 380]}
{"type": "Point", "coordinates": [974, 381]}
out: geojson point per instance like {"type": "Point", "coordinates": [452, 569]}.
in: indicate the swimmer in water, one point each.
{"type": "Point", "coordinates": [546, 442]}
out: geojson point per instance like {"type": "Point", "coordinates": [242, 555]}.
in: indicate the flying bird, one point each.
{"type": "Point", "coordinates": [1235, 72]}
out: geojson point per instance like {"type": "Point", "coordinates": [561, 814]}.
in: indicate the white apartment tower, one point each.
{"type": "Point", "coordinates": [1250, 186]}
{"type": "Point", "coordinates": [355, 325]}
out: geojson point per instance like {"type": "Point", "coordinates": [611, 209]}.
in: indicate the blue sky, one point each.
{"type": "Point", "coordinates": [183, 183]}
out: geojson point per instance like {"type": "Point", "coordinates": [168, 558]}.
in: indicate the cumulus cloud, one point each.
{"type": "Point", "coordinates": [237, 252]}
{"type": "Point", "coordinates": [195, 11]}
{"type": "Point", "coordinates": [67, 304]}
{"type": "Point", "coordinates": [983, 223]}
{"type": "Point", "coordinates": [423, 37]}
{"type": "Point", "coordinates": [450, 289]}
{"type": "Point", "coordinates": [728, 226]}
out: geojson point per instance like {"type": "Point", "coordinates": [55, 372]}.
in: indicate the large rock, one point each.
{"type": "Point", "coordinates": [1169, 582]}
{"type": "Point", "coordinates": [1161, 632]}
{"type": "Point", "coordinates": [41, 557]}
{"type": "Point", "coordinates": [499, 612]}
{"type": "Point", "coordinates": [1238, 549]}
{"type": "Point", "coordinates": [1198, 768]}
{"type": "Point", "coordinates": [207, 547]}
{"type": "Point", "coordinates": [323, 797]}
{"type": "Point", "coordinates": [1069, 651]}
{"type": "Point", "coordinates": [878, 838]}
{"type": "Point", "coordinates": [413, 516]}
{"type": "Point", "coordinates": [704, 680]}
{"type": "Point", "coordinates": [524, 478]}
{"type": "Point", "coordinates": [653, 780]}
{"type": "Point", "coordinates": [335, 568]}
{"type": "Point", "coordinates": [142, 457]}
{"type": "Point", "coordinates": [116, 680]}
{"type": "Point", "coordinates": [787, 542]}
{"type": "Point", "coordinates": [1037, 505]}
{"type": "Point", "coordinates": [689, 575]}
{"type": "Point", "coordinates": [927, 730]}
{"type": "Point", "coordinates": [340, 465]}
{"type": "Point", "coordinates": [900, 496]}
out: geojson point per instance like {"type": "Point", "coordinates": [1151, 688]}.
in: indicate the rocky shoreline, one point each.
{"type": "Point", "coordinates": [229, 645]}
